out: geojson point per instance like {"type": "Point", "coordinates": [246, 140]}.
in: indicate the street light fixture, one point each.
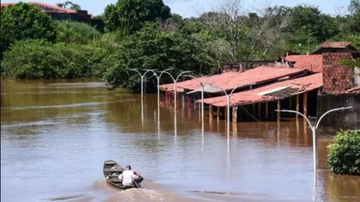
{"type": "Point", "coordinates": [202, 104]}
{"type": "Point", "coordinates": [175, 86]}
{"type": "Point", "coordinates": [158, 91]}
{"type": "Point", "coordinates": [175, 82]}
{"type": "Point", "coordinates": [228, 96]}
{"type": "Point", "coordinates": [142, 76]}
{"type": "Point", "coordinates": [313, 128]}
{"type": "Point", "coordinates": [158, 80]}
{"type": "Point", "coordinates": [202, 84]}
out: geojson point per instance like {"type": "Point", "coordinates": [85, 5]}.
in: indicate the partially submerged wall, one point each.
{"type": "Point", "coordinates": [347, 119]}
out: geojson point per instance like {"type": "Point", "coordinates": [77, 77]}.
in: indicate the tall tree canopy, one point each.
{"type": "Point", "coordinates": [75, 32]}
{"type": "Point", "coordinates": [354, 17]}
{"type": "Point", "coordinates": [153, 48]}
{"type": "Point", "coordinates": [130, 15]}
{"type": "Point", "coordinates": [25, 21]}
{"type": "Point", "coordinates": [308, 21]}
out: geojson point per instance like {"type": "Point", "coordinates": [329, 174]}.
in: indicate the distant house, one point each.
{"type": "Point", "coordinates": [241, 66]}
{"type": "Point", "coordinates": [335, 47]}
{"type": "Point", "coordinates": [314, 61]}
{"type": "Point", "coordinates": [59, 13]}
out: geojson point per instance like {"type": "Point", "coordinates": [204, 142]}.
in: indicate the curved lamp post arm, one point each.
{"type": "Point", "coordinates": [154, 73]}
{"type": "Point", "coordinates": [296, 112]}
{"type": "Point", "coordinates": [333, 110]}
{"type": "Point", "coordinates": [193, 77]}
{"type": "Point", "coordinates": [240, 85]}
{"type": "Point", "coordinates": [162, 72]}
{"type": "Point", "coordinates": [182, 73]}
{"type": "Point", "coordinates": [219, 87]}
{"type": "Point", "coordinates": [135, 70]}
{"type": "Point", "coordinates": [197, 79]}
{"type": "Point", "coordinates": [142, 75]}
{"type": "Point", "coordinates": [210, 76]}
{"type": "Point", "coordinates": [227, 108]}
{"type": "Point", "coordinates": [148, 70]}
{"type": "Point", "coordinates": [207, 79]}
{"type": "Point", "coordinates": [170, 76]}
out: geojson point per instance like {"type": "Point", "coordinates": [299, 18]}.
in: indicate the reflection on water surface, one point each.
{"type": "Point", "coordinates": [56, 136]}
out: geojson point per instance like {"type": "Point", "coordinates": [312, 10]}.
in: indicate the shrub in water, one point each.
{"type": "Point", "coordinates": [344, 153]}
{"type": "Point", "coordinates": [38, 59]}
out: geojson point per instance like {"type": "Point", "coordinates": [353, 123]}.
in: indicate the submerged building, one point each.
{"type": "Point", "coordinates": [310, 84]}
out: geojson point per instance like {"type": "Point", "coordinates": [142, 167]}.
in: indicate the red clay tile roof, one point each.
{"type": "Point", "coordinates": [170, 86]}
{"type": "Point", "coordinates": [50, 8]}
{"type": "Point", "coordinates": [301, 85]}
{"type": "Point", "coordinates": [6, 4]}
{"type": "Point", "coordinates": [230, 80]}
{"type": "Point", "coordinates": [309, 62]}
{"type": "Point", "coordinates": [335, 44]}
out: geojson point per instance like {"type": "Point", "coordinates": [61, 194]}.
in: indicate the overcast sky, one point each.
{"type": "Point", "coordinates": [188, 8]}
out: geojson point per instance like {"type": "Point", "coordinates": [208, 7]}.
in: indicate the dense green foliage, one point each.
{"type": "Point", "coordinates": [35, 59]}
{"type": "Point", "coordinates": [130, 15]}
{"type": "Point", "coordinates": [75, 32]}
{"type": "Point", "coordinates": [153, 48]}
{"type": "Point", "coordinates": [25, 21]}
{"type": "Point", "coordinates": [344, 153]}
{"type": "Point", "coordinates": [143, 34]}
{"type": "Point", "coordinates": [354, 17]}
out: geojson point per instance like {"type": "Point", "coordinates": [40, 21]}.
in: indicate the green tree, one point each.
{"type": "Point", "coordinates": [153, 48]}
{"type": "Point", "coordinates": [25, 21]}
{"type": "Point", "coordinates": [132, 14]}
{"type": "Point", "coordinates": [98, 23]}
{"type": "Point", "coordinates": [35, 59]}
{"type": "Point", "coordinates": [234, 35]}
{"type": "Point", "coordinates": [308, 22]}
{"type": "Point", "coordinates": [75, 32]}
{"type": "Point", "coordinates": [354, 17]}
{"type": "Point", "coordinates": [344, 153]}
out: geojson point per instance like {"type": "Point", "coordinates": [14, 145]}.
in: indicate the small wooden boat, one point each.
{"type": "Point", "coordinates": [112, 170]}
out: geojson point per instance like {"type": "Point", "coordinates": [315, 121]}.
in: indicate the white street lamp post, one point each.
{"type": "Point", "coordinates": [158, 80]}
{"type": "Point", "coordinates": [142, 76]}
{"type": "Point", "coordinates": [313, 128]}
{"type": "Point", "coordinates": [228, 96]}
{"type": "Point", "coordinates": [202, 105]}
{"type": "Point", "coordinates": [158, 94]}
{"type": "Point", "coordinates": [202, 84]}
{"type": "Point", "coordinates": [175, 85]}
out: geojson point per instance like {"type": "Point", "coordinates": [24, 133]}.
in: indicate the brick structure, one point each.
{"type": "Point", "coordinates": [337, 79]}
{"type": "Point", "coordinates": [335, 47]}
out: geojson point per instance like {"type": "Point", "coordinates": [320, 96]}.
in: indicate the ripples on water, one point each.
{"type": "Point", "coordinates": [56, 136]}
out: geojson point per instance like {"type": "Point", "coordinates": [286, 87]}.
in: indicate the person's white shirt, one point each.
{"type": "Point", "coordinates": [128, 177]}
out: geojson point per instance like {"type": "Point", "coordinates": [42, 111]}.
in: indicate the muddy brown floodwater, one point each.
{"type": "Point", "coordinates": [55, 137]}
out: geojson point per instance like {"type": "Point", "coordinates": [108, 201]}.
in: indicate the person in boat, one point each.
{"type": "Point", "coordinates": [128, 177]}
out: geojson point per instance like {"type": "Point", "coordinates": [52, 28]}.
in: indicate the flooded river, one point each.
{"type": "Point", "coordinates": [55, 137]}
